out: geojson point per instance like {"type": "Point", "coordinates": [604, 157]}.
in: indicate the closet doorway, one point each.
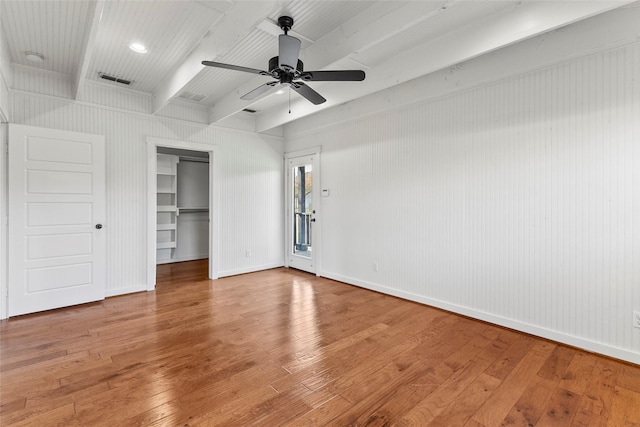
{"type": "Point", "coordinates": [181, 188]}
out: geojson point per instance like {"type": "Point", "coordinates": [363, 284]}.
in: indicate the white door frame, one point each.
{"type": "Point", "coordinates": [317, 226]}
{"type": "Point", "coordinates": [214, 205]}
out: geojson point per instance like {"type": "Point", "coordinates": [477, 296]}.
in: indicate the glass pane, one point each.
{"type": "Point", "coordinates": [302, 209]}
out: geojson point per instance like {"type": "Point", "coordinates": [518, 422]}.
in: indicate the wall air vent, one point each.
{"type": "Point", "coordinates": [114, 79]}
{"type": "Point", "coordinates": [249, 110]}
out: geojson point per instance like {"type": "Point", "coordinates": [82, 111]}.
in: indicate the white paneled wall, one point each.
{"type": "Point", "coordinates": [250, 184]}
{"type": "Point", "coordinates": [34, 80]}
{"type": "Point", "coordinates": [4, 130]}
{"type": "Point", "coordinates": [517, 202]}
{"type": "Point", "coordinates": [114, 95]}
{"type": "Point", "coordinates": [6, 77]}
{"type": "Point", "coordinates": [185, 110]}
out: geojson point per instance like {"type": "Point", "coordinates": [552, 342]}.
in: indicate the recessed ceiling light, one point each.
{"type": "Point", "coordinates": [138, 47]}
{"type": "Point", "coordinates": [34, 57]}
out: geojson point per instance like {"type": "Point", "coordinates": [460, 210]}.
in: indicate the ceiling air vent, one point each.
{"type": "Point", "coordinates": [114, 79]}
{"type": "Point", "coordinates": [197, 97]}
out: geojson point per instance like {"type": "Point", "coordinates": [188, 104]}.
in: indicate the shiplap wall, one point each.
{"type": "Point", "coordinates": [5, 114]}
{"type": "Point", "coordinates": [516, 202]}
{"type": "Point", "coordinates": [5, 76]}
{"type": "Point", "coordinates": [250, 188]}
{"type": "Point", "coordinates": [4, 133]}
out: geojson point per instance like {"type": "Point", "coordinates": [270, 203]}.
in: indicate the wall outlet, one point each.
{"type": "Point", "coordinates": [636, 319]}
{"type": "Point", "coordinates": [375, 266]}
{"type": "Point", "coordinates": [247, 254]}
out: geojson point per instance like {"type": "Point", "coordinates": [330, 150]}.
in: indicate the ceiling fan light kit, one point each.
{"type": "Point", "coordinates": [287, 69]}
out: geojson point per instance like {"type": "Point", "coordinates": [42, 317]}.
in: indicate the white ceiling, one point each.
{"type": "Point", "coordinates": [393, 41]}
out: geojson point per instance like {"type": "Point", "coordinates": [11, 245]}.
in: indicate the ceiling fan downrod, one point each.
{"type": "Point", "coordinates": [285, 23]}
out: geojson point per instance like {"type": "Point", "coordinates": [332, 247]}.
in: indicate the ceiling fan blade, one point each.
{"type": "Point", "coordinates": [333, 76]}
{"type": "Point", "coordinates": [258, 91]}
{"type": "Point", "coordinates": [288, 52]}
{"type": "Point", "coordinates": [304, 90]}
{"type": "Point", "coordinates": [235, 67]}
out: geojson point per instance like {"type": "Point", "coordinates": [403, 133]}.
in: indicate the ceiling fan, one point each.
{"type": "Point", "coordinates": [287, 69]}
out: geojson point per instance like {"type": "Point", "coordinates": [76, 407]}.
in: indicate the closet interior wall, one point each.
{"type": "Point", "coordinates": [183, 206]}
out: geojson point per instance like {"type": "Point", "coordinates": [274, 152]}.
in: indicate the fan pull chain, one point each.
{"type": "Point", "coordinates": [289, 99]}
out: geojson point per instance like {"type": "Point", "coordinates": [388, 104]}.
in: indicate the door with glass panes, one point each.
{"type": "Point", "coordinates": [302, 201]}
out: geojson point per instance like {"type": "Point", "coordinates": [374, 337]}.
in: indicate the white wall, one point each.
{"type": "Point", "coordinates": [515, 201]}
{"type": "Point", "coordinates": [193, 192]}
{"type": "Point", "coordinates": [4, 130]}
{"type": "Point", "coordinates": [5, 114]}
{"type": "Point", "coordinates": [250, 189]}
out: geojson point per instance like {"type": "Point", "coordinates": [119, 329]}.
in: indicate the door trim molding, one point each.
{"type": "Point", "coordinates": [301, 153]}
{"type": "Point", "coordinates": [214, 204]}
{"type": "Point", "coordinates": [312, 151]}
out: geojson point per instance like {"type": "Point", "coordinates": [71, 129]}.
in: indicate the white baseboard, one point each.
{"type": "Point", "coordinates": [181, 259]}
{"type": "Point", "coordinates": [124, 291]}
{"type": "Point", "coordinates": [251, 269]}
{"type": "Point", "coordinates": [592, 346]}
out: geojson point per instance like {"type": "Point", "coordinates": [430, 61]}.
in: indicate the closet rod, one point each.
{"type": "Point", "coordinates": [193, 159]}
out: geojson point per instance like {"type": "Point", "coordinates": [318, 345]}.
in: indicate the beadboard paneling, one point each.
{"type": "Point", "coordinates": [114, 95]}
{"type": "Point", "coordinates": [4, 131]}
{"type": "Point", "coordinates": [185, 110]}
{"type": "Point", "coordinates": [5, 103]}
{"type": "Point", "coordinates": [516, 202]}
{"type": "Point", "coordinates": [34, 80]}
{"type": "Point", "coordinates": [6, 77]}
{"type": "Point", "coordinates": [251, 197]}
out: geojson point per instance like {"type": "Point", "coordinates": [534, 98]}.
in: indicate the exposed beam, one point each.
{"type": "Point", "coordinates": [241, 18]}
{"type": "Point", "coordinates": [513, 25]}
{"type": "Point", "coordinates": [375, 24]}
{"type": "Point", "coordinates": [607, 31]}
{"type": "Point", "coordinates": [95, 12]}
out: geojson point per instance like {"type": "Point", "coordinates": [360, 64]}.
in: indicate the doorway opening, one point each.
{"type": "Point", "coordinates": [181, 189]}
{"type": "Point", "coordinates": [182, 219]}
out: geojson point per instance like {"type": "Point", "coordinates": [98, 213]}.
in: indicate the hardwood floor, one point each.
{"type": "Point", "coordinates": [285, 348]}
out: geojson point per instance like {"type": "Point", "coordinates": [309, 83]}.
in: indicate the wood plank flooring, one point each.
{"type": "Point", "coordinates": [285, 348]}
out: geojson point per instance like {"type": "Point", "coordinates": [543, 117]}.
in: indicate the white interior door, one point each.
{"type": "Point", "coordinates": [302, 212]}
{"type": "Point", "coordinates": [56, 214]}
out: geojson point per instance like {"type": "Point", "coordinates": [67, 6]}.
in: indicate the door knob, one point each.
{"type": "Point", "coordinates": [313, 220]}
{"type": "Point", "coordinates": [98, 226]}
